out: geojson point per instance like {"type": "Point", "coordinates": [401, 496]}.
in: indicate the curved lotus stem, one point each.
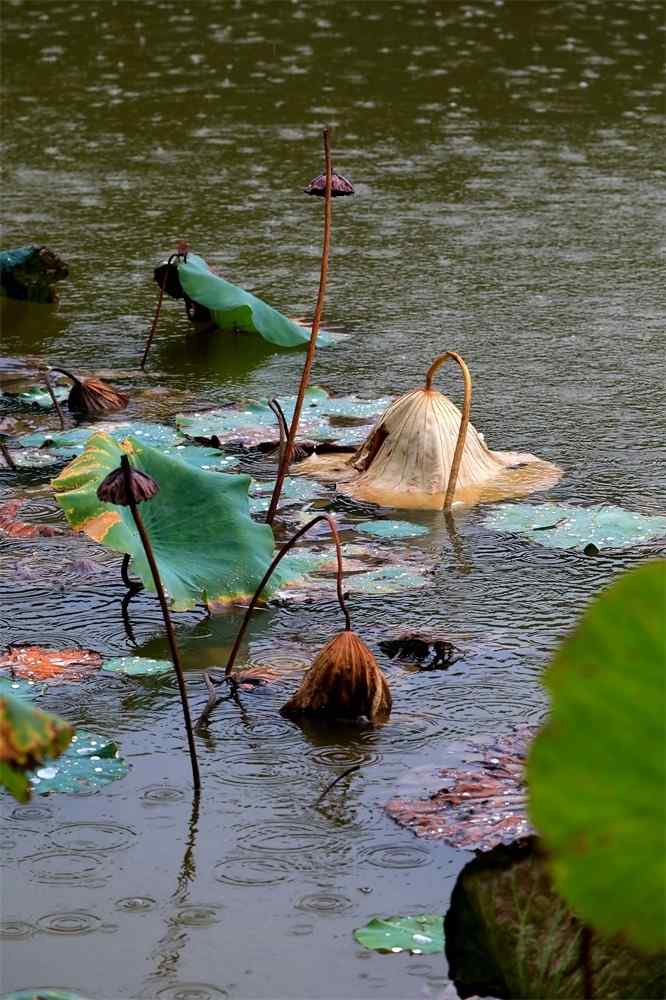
{"type": "Point", "coordinates": [464, 419]}
{"type": "Point", "coordinates": [151, 333]}
{"type": "Point", "coordinates": [282, 426]}
{"type": "Point", "coordinates": [267, 575]}
{"type": "Point", "coordinates": [61, 416]}
{"type": "Point", "coordinates": [309, 358]}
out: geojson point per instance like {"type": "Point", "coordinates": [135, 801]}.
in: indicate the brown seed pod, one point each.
{"type": "Point", "coordinates": [112, 489]}
{"type": "Point", "coordinates": [340, 186]}
{"type": "Point", "coordinates": [92, 395]}
{"type": "Point", "coordinates": [344, 682]}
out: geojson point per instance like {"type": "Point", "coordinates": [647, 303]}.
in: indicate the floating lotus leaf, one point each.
{"type": "Point", "coordinates": [391, 529]}
{"type": "Point", "coordinates": [510, 934]}
{"type": "Point", "coordinates": [210, 459]}
{"type": "Point", "coordinates": [254, 423]}
{"type": "Point", "coordinates": [136, 666]}
{"type": "Point", "coordinates": [27, 690]}
{"type": "Point", "coordinates": [478, 806]}
{"type": "Point", "coordinates": [233, 308]}
{"type": "Point", "coordinates": [40, 397]}
{"type": "Point", "coordinates": [206, 544]}
{"type": "Point", "coordinates": [406, 460]}
{"type": "Point", "coordinates": [563, 526]}
{"type": "Point", "coordinates": [386, 580]}
{"type": "Point", "coordinates": [421, 935]}
{"type": "Point", "coordinates": [42, 994]}
{"type": "Point", "coordinates": [32, 458]}
{"type": "Point", "coordinates": [36, 663]}
{"type": "Point", "coordinates": [597, 770]}
{"type": "Point", "coordinates": [28, 736]}
{"type": "Point", "coordinates": [89, 763]}
{"type": "Point", "coordinates": [14, 528]}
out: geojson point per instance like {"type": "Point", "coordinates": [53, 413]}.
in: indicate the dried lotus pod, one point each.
{"type": "Point", "coordinates": [114, 489]}
{"type": "Point", "coordinates": [344, 682]}
{"type": "Point", "coordinates": [340, 186]}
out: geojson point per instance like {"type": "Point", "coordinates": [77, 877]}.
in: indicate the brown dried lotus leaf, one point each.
{"type": "Point", "coordinates": [92, 395]}
{"type": "Point", "coordinates": [344, 682]}
{"type": "Point", "coordinates": [10, 525]}
{"type": "Point", "coordinates": [35, 663]}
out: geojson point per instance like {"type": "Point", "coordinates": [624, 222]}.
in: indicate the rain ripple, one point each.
{"type": "Point", "coordinates": [92, 836]}
{"type": "Point", "coordinates": [66, 868]}
{"type": "Point", "coordinates": [15, 930]}
{"type": "Point", "coordinates": [75, 922]}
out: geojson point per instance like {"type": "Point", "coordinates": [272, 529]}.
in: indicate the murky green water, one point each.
{"type": "Point", "coordinates": [509, 172]}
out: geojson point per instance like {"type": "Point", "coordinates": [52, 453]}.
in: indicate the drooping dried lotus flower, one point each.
{"type": "Point", "coordinates": [423, 453]}
{"type": "Point", "coordinates": [340, 186]}
{"type": "Point", "coordinates": [114, 487]}
{"type": "Point", "coordinates": [92, 395]}
{"type": "Point", "coordinates": [343, 682]}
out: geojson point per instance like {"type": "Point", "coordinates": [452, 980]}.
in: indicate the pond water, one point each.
{"type": "Point", "coordinates": [508, 167]}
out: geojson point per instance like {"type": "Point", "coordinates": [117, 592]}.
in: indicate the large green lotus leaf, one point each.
{"type": "Point", "coordinates": [421, 935]}
{"type": "Point", "coordinates": [89, 763]}
{"type": "Point", "coordinates": [597, 770]}
{"type": "Point", "coordinates": [234, 308]}
{"type": "Point", "coordinates": [563, 526]}
{"type": "Point", "coordinates": [72, 441]}
{"type": "Point", "coordinates": [28, 736]}
{"type": "Point", "coordinates": [509, 934]}
{"type": "Point", "coordinates": [206, 544]}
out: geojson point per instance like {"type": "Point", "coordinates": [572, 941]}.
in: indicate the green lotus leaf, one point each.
{"type": "Point", "coordinates": [386, 580]}
{"type": "Point", "coordinates": [597, 770]}
{"type": "Point", "coordinates": [72, 441]}
{"type": "Point", "coordinates": [89, 763]}
{"type": "Point", "coordinates": [391, 529]}
{"type": "Point", "coordinates": [39, 396]}
{"type": "Point", "coordinates": [206, 544]}
{"type": "Point", "coordinates": [136, 666]}
{"type": "Point", "coordinates": [19, 688]}
{"type": "Point", "coordinates": [421, 935]}
{"type": "Point", "coordinates": [509, 934]}
{"type": "Point", "coordinates": [42, 994]}
{"type": "Point", "coordinates": [28, 736]}
{"type": "Point", "coordinates": [233, 308]}
{"type": "Point", "coordinates": [564, 526]}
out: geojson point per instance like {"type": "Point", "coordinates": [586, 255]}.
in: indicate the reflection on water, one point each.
{"type": "Point", "coordinates": [507, 161]}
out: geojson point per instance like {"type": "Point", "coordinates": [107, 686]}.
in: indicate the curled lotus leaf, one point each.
{"type": "Point", "coordinates": [565, 526]}
{"type": "Point", "coordinates": [232, 308]}
{"type": "Point", "coordinates": [28, 737]}
{"type": "Point", "coordinates": [478, 806]}
{"type": "Point", "coordinates": [206, 545]}
{"type": "Point", "coordinates": [419, 935]}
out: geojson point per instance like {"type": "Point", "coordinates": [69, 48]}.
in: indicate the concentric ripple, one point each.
{"type": "Point", "coordinates": [74, 922]}
{"type": "Point", "coordinates": [192, 991]}
{"type": "Point", "coordinates": [15, 930]}
{"type": "Point", "coordinates": [198, 915]}
{"type": "Point", "coordinates": [92, 836]}
{"type": "Point", "coordinates": [66, 868]}
{"type": "Point", "coordinates": [158, 795]}
{"type": "Point", "coordinates": [398, 856]}
{"type": "Point", "coordinates": [324, 903]}
{"type": "Point", "coordinates": [252, 871]}
{"type": "Point", "coordinates": [135, 904]}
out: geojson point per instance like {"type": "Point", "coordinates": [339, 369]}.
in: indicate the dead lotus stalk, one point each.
{"type": "Point", "coordinates": [345, 680]}
{"type": "Point", "coordinates": [287, 455]}
{"type": "Point", "coordinates": [128, 487]}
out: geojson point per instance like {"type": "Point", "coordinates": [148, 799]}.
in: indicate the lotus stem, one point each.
{"type": "Point", "coordinates": [175, 656]}
{"type": "Point", "coordinates": [52, 394]}
{"type": "Point", "coordinates": [132, 585]}
{"type": "Point", "coordinates": [6, 454]}
{"type": "Point", "coordinates": [309, 358]}
{"type": "Point", "coordinates": [282, 427]}
{"type": "Point", "coordinates": [464, 419]}
{"type": "Point", "coordinates": [151, 332]}
{"type": "Point", "coordinates": [269, 572]}
{"type": "Point", "coordinates": [332, 784]}
{"type": "Point", "coordinates": [67, 374]}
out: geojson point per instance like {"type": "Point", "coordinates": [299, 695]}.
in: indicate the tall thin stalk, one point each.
{"type": "Point", "coordinates": [309, 357]}
{"type": "Point", "coordinates": [464, 418]}
{"type": "Point", "coordinates": [49, 387]}
{"type": "Point", "coordinates": [175, 656]}
{"type": "Point", "coordinates": [151, 332]}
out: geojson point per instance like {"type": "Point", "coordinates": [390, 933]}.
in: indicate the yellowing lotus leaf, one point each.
{"type": "Point", "coordinates": [407, 459]}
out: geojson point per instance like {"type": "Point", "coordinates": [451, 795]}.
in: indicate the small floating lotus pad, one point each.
{"type": "Point", "coordinates": [72, 441]}
{"type": "Point", "coordinates": [37, 663]}
{"type": "Point", "coordinates": [28, 736]}
{"type": "Point", "coordinates": [391, 529]}
{"type": "Point", "coordinates": [39, 396]}
{"type": "Point", "coordinates": [89, 763]}
{"type": "Point", "coordinates": [136, 666]}
{"type": "Point", "coordinates": [206, 544]}
{"type": "Point", "coordinates": [386, 580]}
{"type": "Point", "coordinates": [42, 994]}
{"type": "Point", "coordinates": [233, 308]}
{"type": "Point", "coordinates": [26, 690]}
{"type": "Point", "coordinates": [421, 935]}
{"type": "Point", "coordinates": [563, 526]}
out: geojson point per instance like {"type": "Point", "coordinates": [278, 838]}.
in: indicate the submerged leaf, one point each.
{"type": "Point", "coordinates": [36, 663]}
{"type": "Point", "coordinates": [479, 806]}
{"type": "Point", "coordinates": [420, 935]}
{"type": "Point", "coordinates": [564, 526]}
{"type": "Point", "coordinates": [597, 770]}
{"type": "Point", "coordinates": [206, 544]}
{"type": "Point", "coordinates": [509, 934]}
{"type": "Point", "coordinates": [233, 308]}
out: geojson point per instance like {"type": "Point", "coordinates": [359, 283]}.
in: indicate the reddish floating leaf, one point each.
{"type": "Point", "coordinates": [479, 806]}
{"type": "Point", "coordinates": [35, 663]}
{"type": "Point", "coordinates": [9, 525]}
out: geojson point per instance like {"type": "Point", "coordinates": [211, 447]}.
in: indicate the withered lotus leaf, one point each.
{"type": "Point", "coordinates": [36, 663]}
{"type": "Point", "coordinates": [92, 395]}
{"type": "Point", "coordinates": [11, 526]}
{"type": "Point", "coordinates": [344, 682]}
